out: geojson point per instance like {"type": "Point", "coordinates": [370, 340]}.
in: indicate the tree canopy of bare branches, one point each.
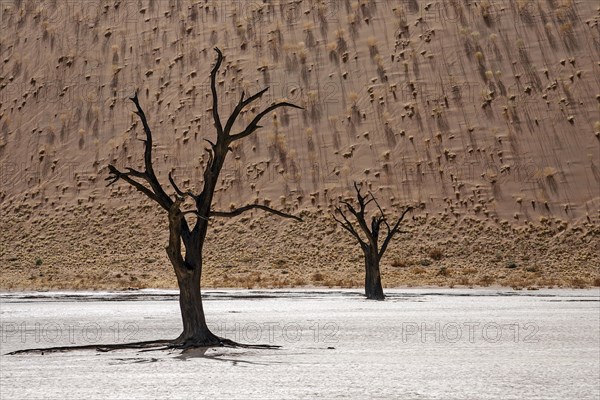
{"type": "Point", "coordinates": [354, 220]}
{"type": "Point", "coordinates": [188, 264]}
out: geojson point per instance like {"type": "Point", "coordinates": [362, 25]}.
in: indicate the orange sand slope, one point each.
{"type": "Point", "coordinates": [485, 114]}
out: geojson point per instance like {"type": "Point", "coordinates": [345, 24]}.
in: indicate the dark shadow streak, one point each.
{"type": "Point", "coordinates": [188, 354]}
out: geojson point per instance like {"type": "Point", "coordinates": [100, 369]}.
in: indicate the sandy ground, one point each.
{"type": "Point", "coordinates": [419, 344]}
{"type": "Point", "coordinates": [263, 252]}
{"type": "Point", "coordinates": [483, 114]}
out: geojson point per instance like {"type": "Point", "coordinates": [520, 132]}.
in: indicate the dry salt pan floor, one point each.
{"type": "Point", "coordinates": [419, 344]}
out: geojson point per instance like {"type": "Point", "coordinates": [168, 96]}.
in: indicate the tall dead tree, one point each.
{"type": "Point", "coordinates": [187, 261]}
{"type": "Point", "coordinates": [368, 238]}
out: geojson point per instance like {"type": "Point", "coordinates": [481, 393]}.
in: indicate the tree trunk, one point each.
{"type": "Point", "coordinates": [195, 331]}
{"type": "Point", "coordinates": [373, 288]}
{"type": "Point", "coordinates": [188, 271]}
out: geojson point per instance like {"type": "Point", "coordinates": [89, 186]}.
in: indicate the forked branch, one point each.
{"type": "Point", "coordinates": [155, 191]}
{"type": "Point", "coordinates": [238, 109]}
{"type": "Point", "coordinates": [347, 225]}
{"type": "Point", "coordinates": [372, 232]}
{"type": "Point", "coordinates": [213, 88]}
{"type": "Point", "coordinates": [114, 175]}
{"type": "Point", "coordinates": [253, 126]}
{"type": "Point", "coordinates": [180, 192]}
{"type": "Point", "coordinates": [393, 231]}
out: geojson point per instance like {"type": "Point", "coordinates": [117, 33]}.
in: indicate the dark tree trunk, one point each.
{"type": "Point", "coordinates": [373, 288]}
{"type": "Point", "coordinates": [189, 273]}
{"type": "Point", "coordinates": [195, 331]}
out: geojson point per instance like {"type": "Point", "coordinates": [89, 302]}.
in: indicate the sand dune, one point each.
{"type": "Point", "coordinates": [484, 114]}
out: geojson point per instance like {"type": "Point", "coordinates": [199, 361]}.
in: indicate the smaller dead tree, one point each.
{"type": "Point", "coordinates": [370, 246]}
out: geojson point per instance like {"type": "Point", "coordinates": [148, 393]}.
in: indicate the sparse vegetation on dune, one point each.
{"type": "Point", "coordinates": [475, 254]}
{"type": "Point", "coordinates": [481, 112]}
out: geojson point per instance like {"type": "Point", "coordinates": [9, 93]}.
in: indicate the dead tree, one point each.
{"type": "Point", "coordinates": [187, 261]}
{"type": "Point", "coordinates": [188, 264]}
{"type": "Point", "coordinates": [370, 246]}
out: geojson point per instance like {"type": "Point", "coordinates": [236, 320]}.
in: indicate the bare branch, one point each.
{"type": "Point", "coordinates": [256, 96]}
{"type": "Point", "coordinates": [361, 199]}
{"type": "Point", "coordinates": [136, 173]}
{"type": "Point", "coordinates": [377, 204]}
{"type": "Point", "coordinates": [359, 195]}
{"type": "Point", "coordinates": [253, 126]}
{"type": "Point", "coordinates": [212, 144]}
{"type": "Point", "coordinates": [115, 175]}
{"type": "Point", "coordinates": [382, 218]}
{"type": "Point", "coordinates": [194, 212]}
{"type": "Point", "coordinates": [179, 191]}
{"type": "Point", "coordinates": [240, 210]}
{"type": "Point", "coordinates": [162, 198]}
{"type": "Point", "coordinates": [219, 150]}
{"type": "Point", "coordinates": [359, 215]}
{"type": "Point", "coordinates": [347, 225]}
{"type": "Point", "coordinates": [238, 109]}
{"type": "Point", "coordinates": [213, 87]}
{"type": "Point", "coordinates": [350, 208]}
{"type": "Point", "coordinates": [148, 142]}
{"type": "Point", "coordinates": [393, 231]}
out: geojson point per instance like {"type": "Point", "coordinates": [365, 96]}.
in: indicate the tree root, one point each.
{"type": "Point", "coordinates": [152, 345]}
{"type": "Point", "coordinates": [221, 342]}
